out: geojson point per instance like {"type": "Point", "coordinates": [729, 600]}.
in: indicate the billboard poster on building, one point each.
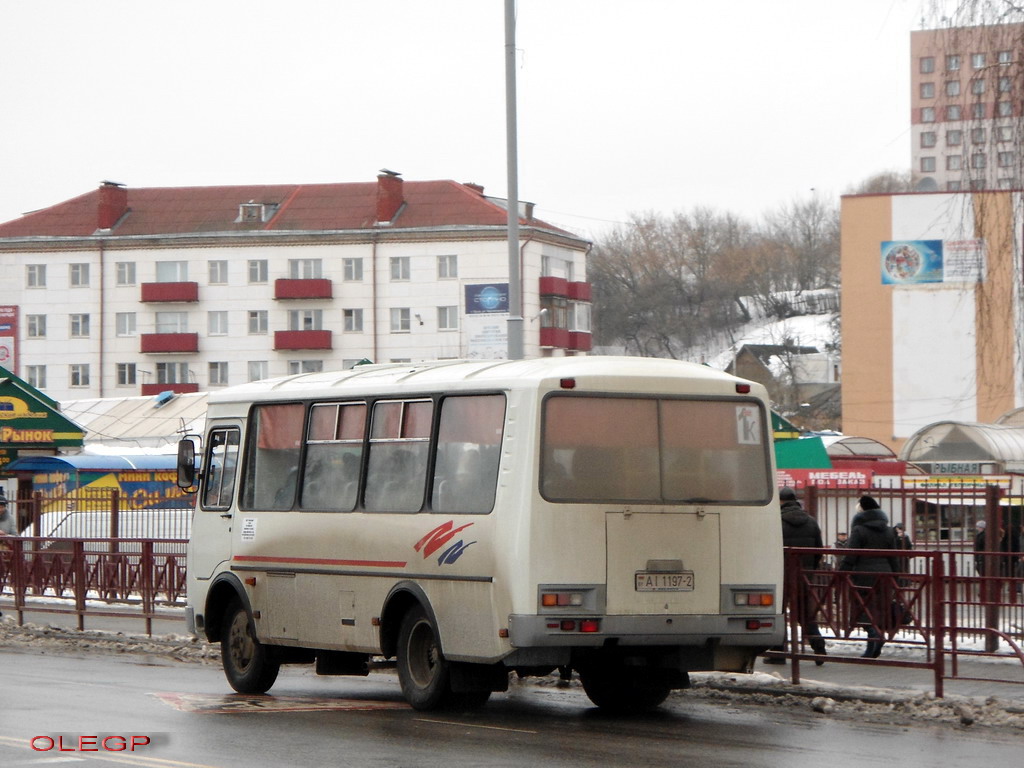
{"type": "Point", "coordinates": [9, 338]}
{"type": "Point", "coordinates": [486, 336]}
{"type": "Point", "coordinates": [486, 298]}
{"type": "Point", "coordinates": [914, 262]}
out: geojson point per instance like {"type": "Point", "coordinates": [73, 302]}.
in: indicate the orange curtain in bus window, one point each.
{"type": "Point", "coordinates": [706, 424]}
{"type": "Point", "coordinates": [478, 419]}
{"type": "Point", "coordinates": [280, 426]}
{"type": "Point", "coordinates": [322, 421]}
{"type": "Point", "coordinates": [603, 422]}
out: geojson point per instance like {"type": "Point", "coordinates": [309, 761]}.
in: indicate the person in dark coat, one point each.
{"type": "Point", "coordinates": [870, 530]}
{"type": "Point", "coordinates": [799, 529]}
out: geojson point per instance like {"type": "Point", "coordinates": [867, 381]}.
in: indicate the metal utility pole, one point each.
{"type": "Point", "coordinates": [515, 297]}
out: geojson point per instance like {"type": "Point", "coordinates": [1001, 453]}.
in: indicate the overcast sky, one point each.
{"type": "Point", "coordinates": [625, 106]}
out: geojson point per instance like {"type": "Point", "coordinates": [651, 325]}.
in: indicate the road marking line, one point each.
{"type": "Point", "coordinates": [473, 725]}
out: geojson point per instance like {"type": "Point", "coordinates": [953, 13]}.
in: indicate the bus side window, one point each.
{"type": "Point", "coordinates": [272, 456]}
{"type": "Point", "coordinates": [396, 472]}
{"type": "Point", "coordinates": [468, 452]}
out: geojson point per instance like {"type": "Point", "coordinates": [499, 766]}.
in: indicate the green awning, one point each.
{"type": "Point", "coordinates": [803, 453]}
{"type": "Point", "coordinates": [29, 419]}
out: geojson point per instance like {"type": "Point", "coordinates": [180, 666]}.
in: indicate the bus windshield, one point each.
{"type": "Point", "coordinates": [654, 450]}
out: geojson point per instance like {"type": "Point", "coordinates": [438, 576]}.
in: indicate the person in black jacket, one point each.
{"type": "Point", "coordinates": [870, 530]}
{"type": "Point", "coordinates": [799, 529]}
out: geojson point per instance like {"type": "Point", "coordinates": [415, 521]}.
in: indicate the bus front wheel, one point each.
{"type": "Point", "coordinates": [423, 672]}
{"type": "Point", "coordinates": [245, 659]}
{"type": "Point", "coordinates": [619, 689]}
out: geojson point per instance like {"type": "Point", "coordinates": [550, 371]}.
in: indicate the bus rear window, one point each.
{"type": "Point", "coordinates": [654, 450]}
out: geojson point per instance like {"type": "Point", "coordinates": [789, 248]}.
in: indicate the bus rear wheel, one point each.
{"type": "Point", "coordinates": [423, 672]}
{"type": "Point", "coordinates": [245, 659]}
{"type": "Point", "coordinates": [619, 689]}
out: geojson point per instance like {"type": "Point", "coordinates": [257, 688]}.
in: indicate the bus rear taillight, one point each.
{"type": "Point", "coordinates": [760, 599]}
{"type": "Point", "coordinates": [555, 599]}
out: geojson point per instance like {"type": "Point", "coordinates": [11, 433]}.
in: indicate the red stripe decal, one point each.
{"type": "Point", "coordinates": [319, 561]}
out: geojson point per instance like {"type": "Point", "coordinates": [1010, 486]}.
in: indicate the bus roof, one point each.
{"type": "Point", "coordinates": [591, 372]}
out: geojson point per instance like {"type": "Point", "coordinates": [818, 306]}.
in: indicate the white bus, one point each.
{"type": "Point", "coordinates": [613, 516]}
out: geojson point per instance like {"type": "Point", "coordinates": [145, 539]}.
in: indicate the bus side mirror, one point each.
{"type": "Point", "coordinates": [186, 463]}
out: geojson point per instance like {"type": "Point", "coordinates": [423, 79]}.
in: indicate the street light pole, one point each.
{"type": "Point", "coordinates": [515, 300]}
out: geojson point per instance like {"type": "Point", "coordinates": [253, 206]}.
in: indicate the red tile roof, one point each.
{"type": "Point", "coordinates": [306, 207]}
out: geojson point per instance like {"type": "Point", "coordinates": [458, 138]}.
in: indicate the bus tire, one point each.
{"type": "Point", "coordinates": [423, 672]}
{"type": "Point", "coordinates": [245, 659]}
{"type": "Point", "coordinates": [618, 689]}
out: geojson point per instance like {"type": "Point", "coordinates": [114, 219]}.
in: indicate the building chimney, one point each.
{"type": "Point", "coordinates": [389, 195]}
{"type": "Point", "coordinates": [113, 204]}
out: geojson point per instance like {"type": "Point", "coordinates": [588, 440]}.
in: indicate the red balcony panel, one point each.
{"type": "Point", "coordinates": [286, 288]}
{"type": "Point", "coordinates": [554, 337]}
{"type": "Point", "coordinates": [170, 291]}
{"type": "Point", "coordinates": [178, 389]}
{"type": "Point", "coordinates": [302, 340]}
{"type": "Point", "coordinates": [554, 286]}
{"type": "Point", "coordinates": [580, 340]}
{"type": "Point", "coordinates": [579, 291]}
{"type": "Point", "coordinates": [169, 342]}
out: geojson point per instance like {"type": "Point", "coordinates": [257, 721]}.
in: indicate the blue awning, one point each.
{"type": "Point", "coordinates": [91, 463]}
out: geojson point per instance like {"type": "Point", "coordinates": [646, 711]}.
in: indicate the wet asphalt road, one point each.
{"type": "Point", "coordinates": [58, 703]}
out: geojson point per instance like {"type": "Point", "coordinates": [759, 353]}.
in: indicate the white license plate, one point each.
{"type": "Point", "coordinates": [650, 581]}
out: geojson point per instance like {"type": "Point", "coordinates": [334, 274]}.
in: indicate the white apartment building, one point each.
{"type": "Point", "coordinates": [967, 105]}
{"type": "Point", "coordinates": [124, 291]}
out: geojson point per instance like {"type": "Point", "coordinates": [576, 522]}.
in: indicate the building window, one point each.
{"type": "Point", "coordinates": [35, 276]}
{"type": "Point", "coordinates": [977, 135]}
{"type": "Point", "coordinates": [952, 62]}
{"type": "Point", "coordinates": [126, 374]}
{"type": "Point", "coordinates": [36, 326]}
{"type": "Point", "coordinates": [218, 272]}
{"type": "Point", "coordinates": [1007, 183]}
{"type": "Point", "coordinates": [258, 271]}
{"type": "Point", "coordinates": [305, 269]}
{"type": "Point", "coordinates": [78, 374]}
{"type": "Point", "coordinates": [448, 318]}
{"type": "Point", "coordinates": [172, 373]}
{"type": "Point", "coordinates": [1004, 108]}
{"type": "Point", "coordinates": [258, 322]}
{"type": "Point", "coordinates": [978, 111]}
{"type": "Point", "coordinates": [217, 323]}
{"type": "Point", "coordinates": [172, 322]}
{"type": "Point", "coordinates": [79, 326]}
{"type": "Point", "coordinates": [927, 90]}
{"type": "Point", "coordinates": [125, 273]}
{"type": "Point", "coordinates": [927, 65]}
{"type": "Point", "coordinates": [977, 60]}
{"type": "Point", "coordinates": [954, 162]}
{"type": "Point", "coordinates": [952, 87]}
{"type": "Point", "coordinates": [1005, 84]}
{"type": "Point", "coordinates": [400, 267]}
{"type": "Point", "coordinates": [954, 138]}
{"type": "Point", "coordinates": [218, 374]}
{"type": "Point", "coordinates": [976, 184]}
{"type": "Point", "coordinates": [1005, 57]}
{"type": "Point", "coordinates": [978, 86]}
{"type": "Point", "coordinates": [953, 112]}
{"type": "Point", "coordinates": [124, 323]}
{"type": "Point", "coordinates": [953, 186]}
{"type": "Point", "coordinates": [36, 376]}
{"type": "Point", "coordinates": [928, 139]}
{"type": "Point", "coordinates": [579, 316]}
{"type": "Point", "coordinates": [400, 320]}
{"type": "Point", "coordinates": [927, 164]}
{"type": "Point", "coordinates": [1004, 133]}
{"type": "Point", "coordinates": [978, 160]}
{"type": "Point", "coordinates": [258, 370]}
{"type": "Point", "coordinates": [1007, 159]}
{"type": "Point", "coordinates": [927, 116]}
{"type": "Point", "coordinates": [447, 266]}
{"type": "Point", "coordinates": [78, 275]}
{"type": "Point", "coordinates": [305, 366]}
{"type": "Point", "coordinates": [172, 271]}
{"type": "Point", "coordinates": [306, 320]}
{"type": "Point", "coordinates": [353, 320]}
{"type": "Point", "coordinates": [353, 269]}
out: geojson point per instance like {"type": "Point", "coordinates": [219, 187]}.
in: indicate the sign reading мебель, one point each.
{"type": "Point", "coordinates": [486, 321]}
{"type": "Point", "coordinates": [912, 262]}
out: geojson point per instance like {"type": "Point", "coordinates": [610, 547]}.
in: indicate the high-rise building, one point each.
{"type": "Point", "coordinates": [967, 107]}
{"type": "Point", "coordinates": [124, 292]}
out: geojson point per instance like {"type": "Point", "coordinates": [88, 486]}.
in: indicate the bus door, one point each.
{"type": "Point", "coordinates": [214, 516]}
